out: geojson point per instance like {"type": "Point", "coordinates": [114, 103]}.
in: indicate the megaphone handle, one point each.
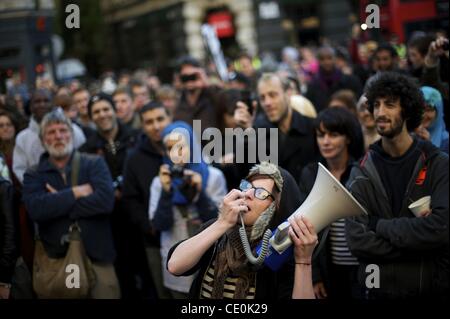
{"type": "Point", "coordinates": [246, 245]}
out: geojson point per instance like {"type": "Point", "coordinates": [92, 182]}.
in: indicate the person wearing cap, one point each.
{"type": "Point", "coordinates": [267, 197]}
{"type": "Point", "coordinates": [28, 147]}
{"type": "Point", "coordinates": [112, 139]}
{"type": "Point", "coordinates": [54, 204]}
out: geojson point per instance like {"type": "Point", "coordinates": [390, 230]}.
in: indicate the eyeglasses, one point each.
{"type": "Point", "coordinates": [260, 192]}
{"type": "Point", "coordinates": [188, 77]}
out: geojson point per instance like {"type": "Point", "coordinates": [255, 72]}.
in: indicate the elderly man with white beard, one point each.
{"type": "Point", "coordinates": [54, 202]}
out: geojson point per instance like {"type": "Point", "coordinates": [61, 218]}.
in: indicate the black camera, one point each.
{"type": "Point", "coordinates": [182, 182]}
{"type": "Point", "coordinates": [177, 171]}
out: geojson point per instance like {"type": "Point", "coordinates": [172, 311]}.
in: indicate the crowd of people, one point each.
{"type": "Point", "coordinates": [116, 159]}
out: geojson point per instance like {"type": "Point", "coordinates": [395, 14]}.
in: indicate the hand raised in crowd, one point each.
{"type": "Point", "coordinates": [304, 237]}
{"type": "Point", "coordinates": [423, 133]}
{"type": "Point", "coordinates": [195, 179]}
{"type": "Point", "coordinates": [435, 50]}
{"type": "Point", "coordinates": [203, 77]}
{"type": "Point", "coordinates": [233, 203]}
{"type": "Point", "coordinates": [164, 176]}
{"type": "Point", "coordinates": [242, 116]}
{"type": "Point", "coordinates": [81, 191]}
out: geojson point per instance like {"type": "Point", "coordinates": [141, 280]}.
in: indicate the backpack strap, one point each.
{"type": "Point", "coordinates": [74, 181]}
{"type": "Point", "coordinates": [75, 168]}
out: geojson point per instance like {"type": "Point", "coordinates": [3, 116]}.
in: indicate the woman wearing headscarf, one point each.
{"type": "Point", "coordinates": [433, 125]}
{"type": "Point", "coordinates": [184, 195]}
{"type": "Point", "coordinates": [267, 197]}
{"type": "Point", "coordinates": [339, 139]}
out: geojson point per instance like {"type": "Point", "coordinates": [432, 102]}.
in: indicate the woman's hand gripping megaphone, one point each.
{"type": "Point", "coordinates": [232, 205]}
{"type": "Point", "coordinates": [232, 208]}
{"type": "Point", "coordinates": [304, 238]}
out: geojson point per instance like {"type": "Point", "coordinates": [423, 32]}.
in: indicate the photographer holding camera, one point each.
{"type": "Point", "coordinates": [184, 195]}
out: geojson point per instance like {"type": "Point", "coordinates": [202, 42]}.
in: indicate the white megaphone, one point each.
{"type": "Point", "coordinates": [327, 202]}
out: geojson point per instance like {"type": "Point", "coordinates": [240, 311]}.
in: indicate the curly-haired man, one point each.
{"type": "Point", "coordinates": [410, 253]}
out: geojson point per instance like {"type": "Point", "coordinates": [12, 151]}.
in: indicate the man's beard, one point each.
{"type": "Point", "coordinates": [193, 91]}
{"type": "Point", "coordinates": [282, 116]}
{"type": "Point", "coordinates": [59, 153]}
{"type": "Point", "coordinates": [397, 127]}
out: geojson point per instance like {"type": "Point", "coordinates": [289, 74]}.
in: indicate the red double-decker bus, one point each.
{"type": "Point", "coordinates": [402, 17]}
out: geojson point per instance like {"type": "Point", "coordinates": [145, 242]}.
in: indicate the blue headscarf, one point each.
{"type": "Point", "coordinates": [196, 162]}
{"type": "Point", "coordinates": [437, 128]}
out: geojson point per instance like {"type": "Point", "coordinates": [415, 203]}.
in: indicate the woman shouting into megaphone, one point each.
{"type": "Point", "coordinates": [216, 254]}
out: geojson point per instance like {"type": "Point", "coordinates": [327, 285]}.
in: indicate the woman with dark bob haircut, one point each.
{"type": "Point", "coordinates": [340, 142]}
{"type": "Point", "coordinates": [397, 86]}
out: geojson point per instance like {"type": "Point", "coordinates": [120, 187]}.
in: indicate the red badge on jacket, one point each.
{"type": "Point", "coordinates": [421, 176]}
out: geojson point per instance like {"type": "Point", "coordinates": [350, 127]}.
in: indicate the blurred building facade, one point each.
{"type": "Point", "coordinates": [155, 32]}
{"type": "Point", "coordinates": [26, 28]}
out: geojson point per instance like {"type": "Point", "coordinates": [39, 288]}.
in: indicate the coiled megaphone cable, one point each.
{"type": "Point", "coordinates": [248, 250]}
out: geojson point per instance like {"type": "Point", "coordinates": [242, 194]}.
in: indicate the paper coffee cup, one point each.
{"type": "Point", "coordinates": [420, 205]}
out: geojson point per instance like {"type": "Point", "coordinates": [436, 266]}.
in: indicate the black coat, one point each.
{"type": "Point", "coordinates": [141, 166]}
{"type": "Point", "coordinates": [299, 147]}
{"type": "Point", "coordinates": [412, 252]}
{"type": "Point", "coordinates": [114, 154]}
{"type": "Point", "coordinates": [9, 249]}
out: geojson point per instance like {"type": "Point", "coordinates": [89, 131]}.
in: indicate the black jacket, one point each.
{"type": "Point", "coordinates": [9, 250]}
{"type": "Point", "coordinates": [55, 212]}
{"type": "Point", "coordinates": [141, 166]}
{"type": "Point", "coordinates": [411, 252]}
{"type": "Point", "coordinates": [114, 154]}
{"type": "Point", "coordinates": [299, 147]}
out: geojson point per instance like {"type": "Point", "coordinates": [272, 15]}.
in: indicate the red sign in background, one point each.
{"type": "Point", "coordinates": [222, 22]}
